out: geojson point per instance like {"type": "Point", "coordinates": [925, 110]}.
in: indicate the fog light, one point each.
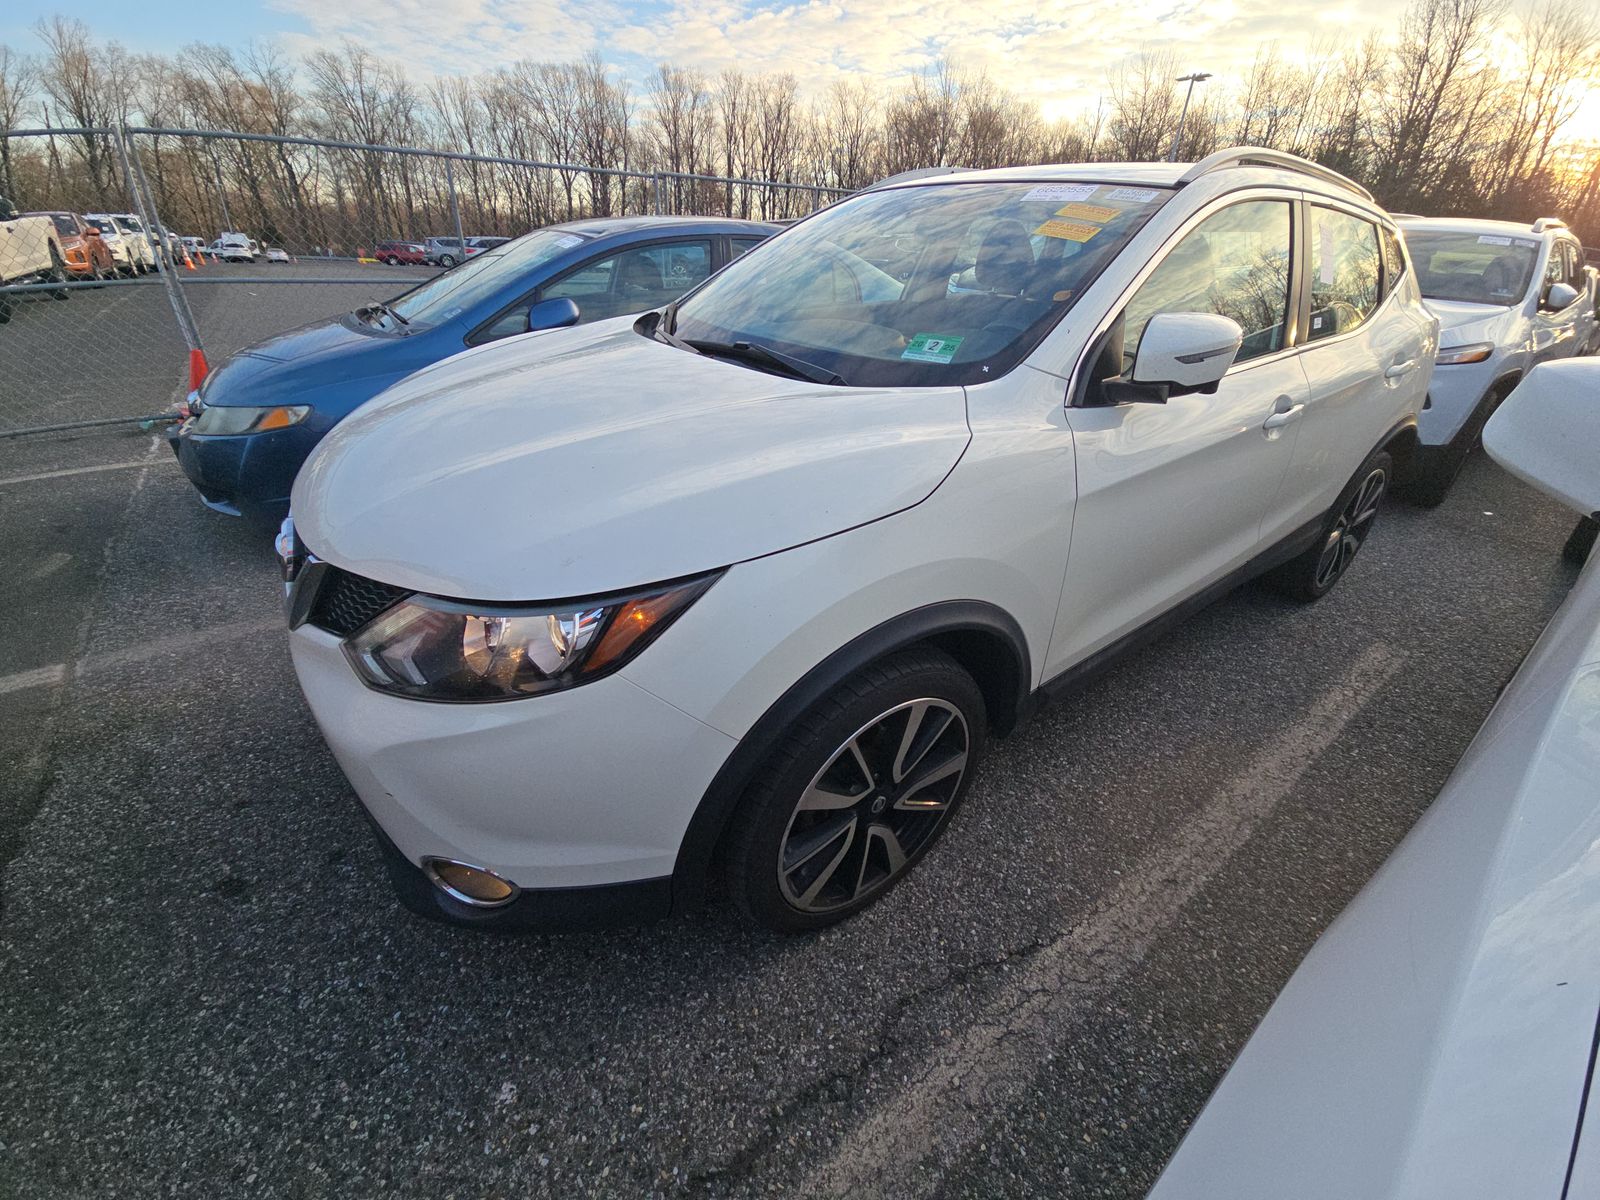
{"type": "Point", "coordinates": [477, 886]}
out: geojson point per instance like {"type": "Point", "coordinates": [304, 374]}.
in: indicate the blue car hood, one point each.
{"type": "Point", "coordinates": [315, 356]}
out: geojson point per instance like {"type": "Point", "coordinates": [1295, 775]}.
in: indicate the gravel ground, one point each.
{"type": "Point", "coordinates": [205, 987]}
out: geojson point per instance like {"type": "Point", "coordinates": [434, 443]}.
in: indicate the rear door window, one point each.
{"type": "Point", "coordinates": [634, 280]}
{"type": "Point", "coordinates": [1346, 272]}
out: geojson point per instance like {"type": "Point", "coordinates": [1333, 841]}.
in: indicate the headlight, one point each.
{"type": "Point", "coordinates": [432, 649]}
{"type": "Point", "coordinates": [228, 419]}
{"type": "Point", "coordinates": [1452, 355]}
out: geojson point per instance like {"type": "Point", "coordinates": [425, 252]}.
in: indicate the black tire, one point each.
{"type": "Point", "coordinates": [1313, 574]}
{"type": "Point", "coordinates": [1581, 541]}
{"type": "Point", "coordinates": [916, 702]}
{"type": "Point", "coordinates": [393, 260]}
{"type": "Point", "coordinates": [58, 274]}
{"type": "Point", "coordinates": [1431, 474]}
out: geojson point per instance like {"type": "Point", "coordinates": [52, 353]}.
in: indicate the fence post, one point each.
{"type": "Point", "coordinates": [198, 367]}
{"type": "Point", "coordinates": [655, 194]}
{"type": "Point", "coordinates": [455, 208]}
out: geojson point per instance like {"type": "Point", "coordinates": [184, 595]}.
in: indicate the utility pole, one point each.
{"type": "Point", "coordinates": [1191, 80]}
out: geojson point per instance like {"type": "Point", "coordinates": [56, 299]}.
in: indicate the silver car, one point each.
{"type": "Point", "coordinates": [1508, 297]}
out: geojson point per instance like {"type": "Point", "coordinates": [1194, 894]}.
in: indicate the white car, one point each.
{"type": "Point", "coordinates": [1439, 1040]}
{"type": "Point", "coordinates": [130, 252]}
{"type": "Point", "coordinates": [1508, 297]}
{"type": "Point", "coordinates": [235, 247]}
{"type": "Point", "coordinates": [745, 584]}
{"type": "Point", "coordinates": [143, 242]}
{"type": "Point", "coordinates": [275, 254]}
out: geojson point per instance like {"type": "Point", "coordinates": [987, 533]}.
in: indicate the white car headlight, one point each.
{"type": "Point", "coordinates": [1471, 353]}
{"type": "Point", "coordinates": [431, 649]}
{"type": "Point", "coordinates": [230, 419]}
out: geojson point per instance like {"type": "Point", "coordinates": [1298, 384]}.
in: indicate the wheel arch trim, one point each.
{"type": "Point", "coordinates": [962, 628]}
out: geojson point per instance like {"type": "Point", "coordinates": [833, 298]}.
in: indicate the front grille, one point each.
{"type": "Point", "coordinates": [346, 602]}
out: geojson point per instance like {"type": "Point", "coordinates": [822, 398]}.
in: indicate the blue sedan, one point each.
{"type": "Point", "coordinates": [258, 416]}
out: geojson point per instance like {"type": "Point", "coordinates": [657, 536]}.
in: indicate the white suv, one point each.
{"type": "Point", "coordinates": [1508, 297]}
{"type": "Point", "coordinates": [745, 584]}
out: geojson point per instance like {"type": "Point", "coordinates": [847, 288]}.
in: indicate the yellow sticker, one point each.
{"type": "Point", "coordinates": [1098, 213]}
{"type": "Point", "coordinates": [1071, 231]}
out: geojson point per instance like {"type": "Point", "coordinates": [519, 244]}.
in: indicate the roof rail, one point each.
{"type": "Point", "coordinates": [1544, 223]}
{"type": "Point", "coordinates": [918, 173]}
{"type": "Point", "coordinates": [1240, 156]}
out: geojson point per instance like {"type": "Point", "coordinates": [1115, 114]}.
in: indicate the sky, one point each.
{"type": "Point", "coordinates": [1057, 52]}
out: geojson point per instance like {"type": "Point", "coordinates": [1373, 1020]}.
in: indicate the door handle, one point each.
{"type": "Point", "coordinates": [1287, 417]}
{"type": "Point", "coordinates": [1400, 369]}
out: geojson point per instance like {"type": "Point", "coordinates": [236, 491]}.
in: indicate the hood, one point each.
{"type": "Point", "coordinates": [287, 365]}
{"type": "Point", "coordinates": [1462, 322]}
{"type": "Point", "coordinates": [592, 460]}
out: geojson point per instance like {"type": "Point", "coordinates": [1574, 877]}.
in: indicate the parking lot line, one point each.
{"type": "Point", "coordinates": [941, 1109]}
{"type": "Point", "coordinates": [37, 677]}
{"type": "Point", "coordinates": [42, 475]}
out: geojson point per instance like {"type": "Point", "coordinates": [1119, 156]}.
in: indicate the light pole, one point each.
{"type": "Point", "coordinates": [1191, 80]}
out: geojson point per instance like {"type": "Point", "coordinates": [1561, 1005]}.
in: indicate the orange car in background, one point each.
{"type": "Point", "coordinates": [87, 255]}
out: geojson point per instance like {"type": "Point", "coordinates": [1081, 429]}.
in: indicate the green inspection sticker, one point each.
{"type": "Point", "coordinates": [932, 347]}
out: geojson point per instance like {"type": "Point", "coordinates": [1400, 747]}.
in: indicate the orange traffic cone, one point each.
{"type": "Point", "coordinates": [198, 370]}
{"type": "Point", "coordinates": [187, 261]}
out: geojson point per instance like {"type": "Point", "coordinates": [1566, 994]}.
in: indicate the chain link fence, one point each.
{"type": "Point", "coordinates": [131, 258]}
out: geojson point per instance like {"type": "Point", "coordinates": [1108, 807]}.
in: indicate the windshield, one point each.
{"type": "Point", "coordinates": [1480, 268]}
{"type": "Point", "coordinates": [131, 223]}
{"type": "Point", "coordinates": [103, 224]}
{"type": "Point", "coordinates": [64, 224]}
{"type": "Point", "coordinates": [447, 296]}
{"type": "Point", "coordinates": [921, 286]}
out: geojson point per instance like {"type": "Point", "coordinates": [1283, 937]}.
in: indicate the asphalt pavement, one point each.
{"type": "Point", "coordinates": [206, 988]}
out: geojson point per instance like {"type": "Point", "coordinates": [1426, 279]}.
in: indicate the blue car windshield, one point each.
{"type": "Point", "coordinates": [447, 296]}
{"type": "Point", "coordinates": [949, 283]}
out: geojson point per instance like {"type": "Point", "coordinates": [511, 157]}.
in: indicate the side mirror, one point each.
{"type": "Point", "coordinates": [553, 314]}
{"type": "Point", "coordinates": [1560, 296]}
{"type": "Point", "coordinates": [1545, 432]}
{"type": "Point", "coordinates": [1180, 353]}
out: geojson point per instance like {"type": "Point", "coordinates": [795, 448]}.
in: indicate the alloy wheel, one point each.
{"type": "Point", "coordinates": [1351, 529]}
{"type": "Point", "coordinates": [874, 806]}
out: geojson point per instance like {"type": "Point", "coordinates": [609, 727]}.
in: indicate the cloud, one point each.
{"type": "Point", "coordinates": [1059, 55]}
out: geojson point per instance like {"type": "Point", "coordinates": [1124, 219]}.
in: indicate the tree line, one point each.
{"type": "Point", "coordinates": [1465, 110]}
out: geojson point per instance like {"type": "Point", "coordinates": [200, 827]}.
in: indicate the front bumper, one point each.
{"type": "Point", "coordinates": [590, 788]}
{"type": "Point", "coordinates": [248, 476]}
{"type": "Point", "coordinates": [1454, 394]}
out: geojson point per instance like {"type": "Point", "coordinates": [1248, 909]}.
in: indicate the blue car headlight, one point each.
{"type": "Point", "coordinates": [229, 419]}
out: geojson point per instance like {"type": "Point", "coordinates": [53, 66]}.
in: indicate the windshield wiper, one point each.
{"type": "Point", "coordinates": [378, 306]}
{"type": "Point", "coordinates": [659, 331]}
{"type": "Point", "coordinates": [759, 355]}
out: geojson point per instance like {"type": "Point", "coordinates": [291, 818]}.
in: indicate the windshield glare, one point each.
{"type": "Point", "coordinates": [131, 223]}
{"type": "Point", "coordinates": [447, 296]}
{"type": "Point", "coordinates": [929, 285]}
{"type": "Point", "coordinates": [1478, 268]}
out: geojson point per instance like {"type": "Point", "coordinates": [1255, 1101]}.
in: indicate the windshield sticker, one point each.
{"type": "Point", "coordinates": [1137, 195]}
{"type": "Point", "coordinates": [1060, 193]}
{"type": "Point", "coordinates": [1488, 239]}
{"type": "Point", "coordinates": [1069, 231]}
{"type": "Point", "coordinates": [567, 240]}
{"type": "Point", "coordinates": [1098, 213]}
{"type": "Point", "coordinates": [931, 347]}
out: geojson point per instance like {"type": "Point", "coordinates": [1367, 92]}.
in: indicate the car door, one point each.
{"type": "Point", "coordinates": [1171, 497]}
{"type": "Point", "coordinates": [1554, 330]}
{"type": "Point", "coordinates": [1367, 357]}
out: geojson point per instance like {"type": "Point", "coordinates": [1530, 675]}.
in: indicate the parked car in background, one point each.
{"type": "Point", "coordinates": [397, 254]}
{"type": "Point", "coordinates": [477, 245]}
{"type": "Point", "coordinates": [1508, 296]}
{"type": "Point", "coordinates": [236, 247]}
{"type": "Point", "coordinates": [260, 413]}
{"type": "Point", "coordinates": [30, 252]}
{"type": "Point", "coordinates": [145, 241]}
{"type": "Point", "coordinates": [193, 245]}
{"type": "Point", "coordinates": [443, 251]}
{"type": "Point", "coordinates": [826, 542]}
{"type": "Point", "coordinates": [1439, 1040]}
{"type": "Point", "coordinates": [129, 249]}
{"type": "Point", "coordinates": [276, 254]}
{"type": "Point", "coordinates": [85, 251]}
